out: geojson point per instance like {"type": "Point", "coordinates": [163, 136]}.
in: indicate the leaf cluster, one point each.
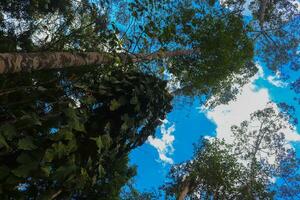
{"type": "Point", "coordinates": [69, 135]}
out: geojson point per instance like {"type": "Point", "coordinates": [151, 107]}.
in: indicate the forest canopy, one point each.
{"type": "Point", "coordinates": [83, 83]}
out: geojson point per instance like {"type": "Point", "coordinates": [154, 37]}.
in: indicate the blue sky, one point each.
{"type": "Point", "coordinates": [189, 125]}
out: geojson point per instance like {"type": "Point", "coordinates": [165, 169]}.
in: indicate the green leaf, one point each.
{"type": "Point", "coordinates": [60, 149]}
{"type": "Point", "coordinates": [26, 143]}
{"type": "Point", "coordinates": [8, 131]}
{"type": "Point", "coordinates": [70, 113]}
{"type": "Point", "coordinates": [49, 155]}
{"type": "Point", "coordinates": [24, 158]}
{"type": "Point", "coordinates": [101, 171]}
{"type": "Point", "coordinates": [106, 140]}
{"type": "Point", "coordinates": [73, 120]}
{"type": "Point", "coordinates": [63, 134]}
{"type": "Point", "coordinates": [98, 141]}
{"type": "Point", "coordinates": [21, 172]}
{"type": "Point", "coordinates": [3, 142]}
{"type": "Point", "coordinates": [114, 105]}
{"type": "Point", "coordinates": [32, 119]}
{"type": "Point", "coordinates": [137, 108]}
{"type": "Point", "coordinates": [84, 173]}
{"type": "Point", "coordinates": [89, 162]}
{"type": "Point", "coordinates": [134, 100]}
{"type": "Point", "coordinates": [122, 100]}
{"type": "Point", "coordinates": [35, 120]}
{"type": "Point", "coordinates": [46, 170]}
{"type": "Point", "coordinates": [89, 100]}
{"type": "Point", "coordinates": [128, 122]}
{"type": "Point", "coordinates": [47, 195]}
{"type": "Point", "coordinates": [78, 126]}
{"type": "Point", "coordinates": [71, 146]}
{"type": "Point", "coordinates": [124, 126]}
{"type": "Point", "coordinates": [64, 171]}
{"type": "Point", "coordinates": [4, 172]}
{"type": "Point", "coordinates": [12, 180]}
{"type": "Point", "coordinates": [25, 169]}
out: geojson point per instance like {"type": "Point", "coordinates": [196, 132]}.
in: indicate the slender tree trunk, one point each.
{"type": "Point", "coordinates": [56, 194]}
{"type": "Point", "coordinates": [216, 195]}
{"type": "Point", "coordinates": [183, 192]}
{"type": "Point", "coordinates": [257, 144]}
{"type": "Point", "coordinates": [262, 11]}
{"type": "Point", "coordinates": [17, 62]}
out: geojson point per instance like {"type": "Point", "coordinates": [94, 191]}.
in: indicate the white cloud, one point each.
{"type": "Point", "coordinates": [164, 145]}
{"type": "Point", "coordinates": [248, 101]}
{"type": "Point", "coordinates": [173, 83]}
{"type": "Point", "coordinates": [275, 80]}
{"type": "Point", "coordinates": [245, 6]}
{"type": "Point", "coordinates": [296, 3]}
{"type": "Point", "coordinates": [260, 73]}
{"type": "Point", "coordinates": [247, 3]}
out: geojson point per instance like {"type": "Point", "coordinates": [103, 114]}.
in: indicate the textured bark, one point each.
{"type": "Point", "coordinates": [262, 11]}
{"type": "Point", "coordinates": [17, 62]}
{"type": "Point", "coordinates": [56, 194]}
{"type": "Point", "coordinates": [160, 54]}
{"type": "Point", "coordinates": [183, 192]}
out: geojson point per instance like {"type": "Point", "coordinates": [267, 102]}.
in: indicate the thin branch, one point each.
{"type": "Point", "coordinates": [56, 194]}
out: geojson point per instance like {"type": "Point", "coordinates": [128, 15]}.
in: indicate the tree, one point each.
{"type": "Point", "coordinates": [129, 192]}
{"type": "Point", "coordinates": [264, 149]}
{"type": "Point", "coordinates": [18, 62]}
{"type": "Point", "coordinates": [71, 138]}
{"type": "Point", "coordinates": [245, 169]}
{"type": "Point", "coordinates": [47, 25]}
{"type": "Point", "coordinates": [275, 31]}
{"type": "Point", "coordinates": [289, 185]}
{"type": "Point", "coordinates": [214, 172]}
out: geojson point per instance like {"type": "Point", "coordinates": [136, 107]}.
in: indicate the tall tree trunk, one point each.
{"type": "Point", "coordinates": [183, 192]}
{"type": "Point", "coordinates": [17, 62]}
{"type": "Point", "coordinates": [262, 11]}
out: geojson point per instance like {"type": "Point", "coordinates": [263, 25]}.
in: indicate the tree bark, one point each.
{"type": "Point", "coordinates": [183, 192]}
{"type": "Point", "coordinates": [262, 11]}
{"type": "Point", "coordinates": [17, 62]}
{"type": "Point", "coordinates": [56, 194]}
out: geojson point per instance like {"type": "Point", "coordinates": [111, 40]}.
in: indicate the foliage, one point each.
{"type": "Point", "coordinates": [67, 133]}
{"type": "Point", "coordinates": [213, 172]}
{"type": "Point", "coordinates": [244, 169]}
{"type": "Point", "coordinates": [289, 181]}
{"type": "Point", "coordinates": [48, 25]}
{"type": "Point", "coordinates": [129, 192]}
{"type": "Point", "coordinates": [264, 149]}
{"type": "Point", "coordinates": [70, 136]}
{"type": "Point", "coordinates": [221, 51]}
{"type": "Point", "coordinates": [275, 30]}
